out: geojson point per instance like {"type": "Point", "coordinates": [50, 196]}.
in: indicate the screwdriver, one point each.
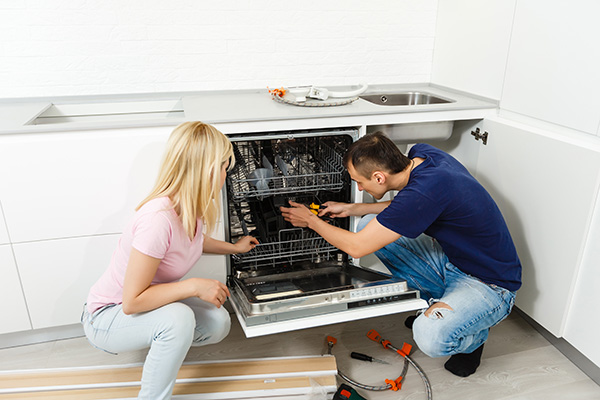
{"type": "Point", "coordinates": [364, 357]}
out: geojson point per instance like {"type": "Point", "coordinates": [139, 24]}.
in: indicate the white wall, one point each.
{"type": "Point", "coordinates": [73, 47]}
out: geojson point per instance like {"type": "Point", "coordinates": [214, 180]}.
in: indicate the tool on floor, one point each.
{"type": "Point", "coordinates": [364, 357]}
{"type": "Point", "coordinates": [345, 392]}
{"type": "Point", "coordinates": [330, 341]}
{"type": "Point", "coordinates": [393, 384]}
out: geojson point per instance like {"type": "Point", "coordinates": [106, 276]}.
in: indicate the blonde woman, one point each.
{"type": "Point", "coordinates": [140, 301]}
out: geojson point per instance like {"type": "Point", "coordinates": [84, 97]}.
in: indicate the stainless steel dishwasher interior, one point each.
{"type": "Point", "coordinates": [404, 99]}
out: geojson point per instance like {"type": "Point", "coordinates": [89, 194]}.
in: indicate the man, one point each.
{"type": "Point", "coordinates": [442, 233]}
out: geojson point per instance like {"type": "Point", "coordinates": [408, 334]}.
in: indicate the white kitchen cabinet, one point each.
{"type": "Point", "coordinates": [538, 58]}
{"type": "Point", "coordinates": [60, 185]}
{"type": "Point", "coordinates": [545, 187]}
{"type": "Point", "coordinates": [57, 275]}
{"type": "Point", "coordinates": [4, 238]}
{"type": "Point", "coordinates": [211, 266]}
{"type": "Point", "coordinates": [552, 69]}
{"type": "Point", "coordinates": [461, 145]}
{"type": "Point", "coordinates": [13, 310]}
{"type": "Point", "coordinates": [471, 45]}
{"type": "Point", "coordinates": [583, 322]}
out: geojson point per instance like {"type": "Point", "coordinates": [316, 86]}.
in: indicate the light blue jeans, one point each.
{"type": "Point", "coordinates": [476, 306]}
{"type": "Point", "coordinates": [168, 331]}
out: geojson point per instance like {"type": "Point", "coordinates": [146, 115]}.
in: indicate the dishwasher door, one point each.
{"type": "Point", "coordinates": [294, 279]}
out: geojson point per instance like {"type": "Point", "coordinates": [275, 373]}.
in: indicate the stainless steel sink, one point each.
{"type": "Point", "coordinates": [404, 99]}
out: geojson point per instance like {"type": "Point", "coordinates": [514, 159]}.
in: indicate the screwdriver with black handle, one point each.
{"type": "Point", "coordinates": [364, 357]}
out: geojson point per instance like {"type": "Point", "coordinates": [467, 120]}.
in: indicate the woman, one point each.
{"type": "Point", "coordinates": [140, 301]}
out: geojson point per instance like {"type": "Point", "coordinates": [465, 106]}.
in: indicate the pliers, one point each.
{"type": "Point", "coordinates": [314, 208]}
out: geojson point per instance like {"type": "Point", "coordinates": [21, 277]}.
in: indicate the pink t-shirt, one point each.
{"type": "Point", "coordinates": [156, 231]}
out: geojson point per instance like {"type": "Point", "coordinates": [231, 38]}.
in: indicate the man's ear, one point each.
{"type": "Point", "coordinates": [379, 177]}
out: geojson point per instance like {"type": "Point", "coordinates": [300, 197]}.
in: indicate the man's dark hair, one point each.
{"type": "Point", "coordinates": [373, 152]}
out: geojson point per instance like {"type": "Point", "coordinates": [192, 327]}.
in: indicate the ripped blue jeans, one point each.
{"type": "Point", "coordinates": [475, 306]}
{"type": "Point", "coordinates": [168, 331]}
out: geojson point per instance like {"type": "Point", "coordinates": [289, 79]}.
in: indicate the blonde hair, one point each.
{"type": "Point", "coordinates": [190, 174]}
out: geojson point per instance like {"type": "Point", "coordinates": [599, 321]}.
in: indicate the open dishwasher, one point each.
{"type": "Point", "coordinates": [294, 279]}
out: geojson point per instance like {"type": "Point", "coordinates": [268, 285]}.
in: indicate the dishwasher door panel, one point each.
{"type": "Point", "coordinates": [329, 317]}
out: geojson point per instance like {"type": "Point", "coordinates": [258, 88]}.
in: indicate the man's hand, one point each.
{"type": "Point", "coordinates": [335, 209]}
{"type": "Point", "coordinates": [298, 215]}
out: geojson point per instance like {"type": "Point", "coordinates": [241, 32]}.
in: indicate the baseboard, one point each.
{"type": "Point", "coordinates": [35, 336]}
{"type": "Point", "coordinates": [574, 355]}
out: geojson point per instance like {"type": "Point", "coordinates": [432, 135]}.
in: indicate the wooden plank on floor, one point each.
{"type": "Point", "coordinates": [235, 389]}
{"type": "Point", "coordinates": [202, 377]}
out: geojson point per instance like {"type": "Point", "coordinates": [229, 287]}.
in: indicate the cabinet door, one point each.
{"type": "Point", "coordinates": [3, 230]}
{"type": "Point", "coordinates": [59, 185]}
{"type": "Point", "coordinates": [58, 274]}
{"type": "Point", "coordinates": [13, 311]}
{"type": "Point", "coordinates": [545, 187]}
{"type": "Point", "coordinates": [553, 62]}
{"type": "Point", "coordinates": [211, 266]}
{"type": "Point", "coordinates": [583, 322]}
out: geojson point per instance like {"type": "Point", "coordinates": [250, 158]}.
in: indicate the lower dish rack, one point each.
{"type": "Point", "coordinates": [292, 245]}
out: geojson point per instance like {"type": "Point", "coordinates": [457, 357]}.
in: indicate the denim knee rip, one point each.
{"type": "Point", "coordinates": [438, 312]}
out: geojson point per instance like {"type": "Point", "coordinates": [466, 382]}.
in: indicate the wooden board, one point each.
{"type": "Point", "coordinates": [228, 379]}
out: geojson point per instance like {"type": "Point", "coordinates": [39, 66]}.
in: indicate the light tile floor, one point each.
{"type": "Point", "coordinates": [518, 363]}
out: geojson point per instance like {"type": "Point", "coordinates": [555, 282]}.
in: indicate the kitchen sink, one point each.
{"type": "Point", "coordinates": [404, 99]}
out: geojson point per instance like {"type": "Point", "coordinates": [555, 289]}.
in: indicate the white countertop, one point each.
{"type": "Point", "coordinates": [230, 107]}
{"type": "Point", "coordinates": [258, 105]}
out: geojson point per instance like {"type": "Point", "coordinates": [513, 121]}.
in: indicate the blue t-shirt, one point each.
{"type": "Point", "coordinates": [444, 201]}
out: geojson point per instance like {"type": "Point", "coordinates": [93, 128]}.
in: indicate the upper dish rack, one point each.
{"type": "Point", "coordinates": [287, 170]}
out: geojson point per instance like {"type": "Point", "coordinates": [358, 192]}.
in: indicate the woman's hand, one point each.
{"type": "Point", "coordinates": [214, 246]}
{"type": "Point", "coordinates": [210, 290]}
{"type": "Point", "coordinates": [335, 209]}
{"type": "Point", "coordinates": [245, 244]}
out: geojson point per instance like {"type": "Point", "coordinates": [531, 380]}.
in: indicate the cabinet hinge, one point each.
{"type": "Point", "coordinates": [478, 135]}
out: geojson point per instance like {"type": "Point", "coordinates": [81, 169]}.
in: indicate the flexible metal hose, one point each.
{"type": "Point", "coordinates": [407, 360]}
{"type": "Point", "coordinates": [419, 371]}
{"type": "Point", "coordinates": [387, 386]}
{"type": "Point", "coordinates": [423, 377]}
